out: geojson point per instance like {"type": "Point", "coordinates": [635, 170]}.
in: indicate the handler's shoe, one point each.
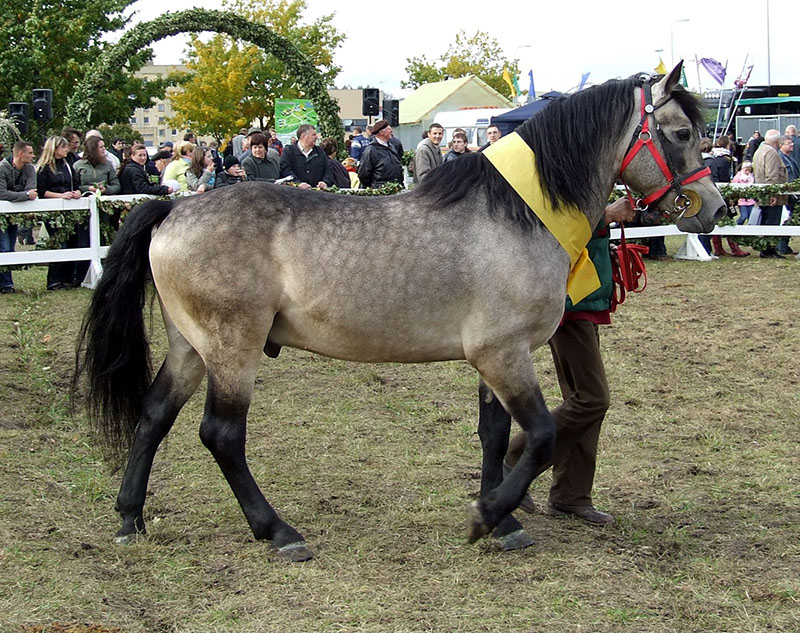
{"type": "Point", "coordinates": [527, 503]}
{"type": "Point", "coordinates": [588, 513]}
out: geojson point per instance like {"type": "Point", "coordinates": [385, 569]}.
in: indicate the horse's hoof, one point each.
{"type": "Point", "coordinates": [295, 552]}
{"type": "Point", "coordinates": [516, 540]}
{"type": "Point", "coordinates": [476, 526]}
{"type": "Point", "coordinates": [126, 539]}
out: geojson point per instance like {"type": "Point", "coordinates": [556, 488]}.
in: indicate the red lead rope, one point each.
{"type": "Point", "coordinates": [627, 268]}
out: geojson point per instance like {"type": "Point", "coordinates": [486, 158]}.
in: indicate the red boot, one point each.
{"type": "Point", "coordinates": [716, 242]}
{"type": "Point", "coordinates": [735, 250]}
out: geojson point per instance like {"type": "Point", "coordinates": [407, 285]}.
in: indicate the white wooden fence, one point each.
{"type": "Point", "coordinates": [94, 252]}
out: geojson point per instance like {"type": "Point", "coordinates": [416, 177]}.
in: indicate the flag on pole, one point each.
{"type": "Point", "coordinates": [715, 69]}
{"type": "Point", "coordinates": [741, 83]}
{"type": "Point", "coordinates": [584, 77]}
{"type": "Point", "coordinates": [660, 69]}
{"type": "Point", "coordinates": [684, 83]}
{"type": "Point", "coordinates": [515, 81]}
{"type": "Point", "coordinates": [531, 90]}
{"type": "Point", "coordinates": [507, 79]}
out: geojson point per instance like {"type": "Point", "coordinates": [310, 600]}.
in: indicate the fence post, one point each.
{"type": "Point", "coordinates": [95, 267]}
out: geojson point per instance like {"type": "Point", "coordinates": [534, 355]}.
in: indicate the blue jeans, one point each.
{"type": "Point", "coordinates": [8, 240]}
{"type": "Point", "coordinates": [657, 246]}
{"type": "Point", "coordinates": [744, 213]}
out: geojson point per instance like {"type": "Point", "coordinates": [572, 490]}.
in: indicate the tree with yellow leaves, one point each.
{"type": "Point", "coordinates": [229, 85]}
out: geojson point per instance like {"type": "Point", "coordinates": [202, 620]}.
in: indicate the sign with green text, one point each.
{"type": "Point", "coordinates": [290, 114]}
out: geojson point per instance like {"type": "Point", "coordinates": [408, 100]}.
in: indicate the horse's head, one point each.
{"type": "Point", "coordinates": [663, 159]}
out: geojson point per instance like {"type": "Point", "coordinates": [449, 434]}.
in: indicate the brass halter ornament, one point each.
{"type": "Point", "coordinates": [687, 203]}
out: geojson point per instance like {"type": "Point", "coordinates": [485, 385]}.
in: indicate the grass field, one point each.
{"type": "Point", "coordinates": [375, 464]}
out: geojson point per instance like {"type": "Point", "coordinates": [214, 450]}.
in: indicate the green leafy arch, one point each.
{"type": "Point", "coordinates": [79, 106]}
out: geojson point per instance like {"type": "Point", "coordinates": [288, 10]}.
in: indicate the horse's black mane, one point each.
{"type": "Point", "coordinates": [569, 137]}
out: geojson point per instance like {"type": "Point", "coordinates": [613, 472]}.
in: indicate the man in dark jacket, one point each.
{"type": "Point", "coordinates": [575, 347]}
{"type": "Point", "coordinates": [305, 162]}
{"type": "Point", "coordinates": [380, 163]}
{"type": "Point", "coordinates": [17, 184]}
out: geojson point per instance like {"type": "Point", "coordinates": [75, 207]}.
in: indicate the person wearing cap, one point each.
{"type": "Point", "coordinates": [306, 163]}
{"type": "Point", "coordinates": [231, 174]}
{"type": "Point", "coordinates": [380, 164]}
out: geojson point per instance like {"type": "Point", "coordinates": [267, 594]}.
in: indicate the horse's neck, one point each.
{"type": "Point", "coordinates": [596, 210]}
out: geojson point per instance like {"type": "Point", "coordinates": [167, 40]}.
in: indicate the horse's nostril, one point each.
{"type": "Point", "coordinates": [720, 212]}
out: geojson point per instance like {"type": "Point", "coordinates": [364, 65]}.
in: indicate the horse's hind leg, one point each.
{"type": "Point", "coordinates": [178, 378]}
{"type": "Point", "coordinates": [494, 425]}
{"type": "Point", "coordinates": [223, 431]}
{"type": "Point", "coordinates": [510, 375]}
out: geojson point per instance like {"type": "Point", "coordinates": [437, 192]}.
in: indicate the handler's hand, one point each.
{"type": "Point", "coordinates": [620, 211]}
{"type": "Point", "coordinates": [304, 185]}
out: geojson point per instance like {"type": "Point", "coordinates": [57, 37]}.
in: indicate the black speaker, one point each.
{"type": "Point", "coordinates": [42, 104]}
{"type": "Point", "coordinates": [18, 111]}
{"type": "Point", "coordinates": [391, 111]}
{"type": "Point", "coordinates": [370, 101]}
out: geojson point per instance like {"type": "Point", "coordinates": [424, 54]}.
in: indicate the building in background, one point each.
{"type": "Point", "coordinates": [151, 122]}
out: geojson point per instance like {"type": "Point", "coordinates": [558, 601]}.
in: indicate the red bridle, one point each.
{"type": "Point", "coordinates": [643, 138]}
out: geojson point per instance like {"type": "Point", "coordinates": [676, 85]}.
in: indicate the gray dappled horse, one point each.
{"type": "Point", "coordinates": [458, 268]}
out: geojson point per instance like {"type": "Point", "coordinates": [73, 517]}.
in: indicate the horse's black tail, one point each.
{"type": "Point", "coordinates": [113, 349]}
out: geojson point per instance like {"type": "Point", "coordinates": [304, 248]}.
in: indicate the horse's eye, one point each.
{"type": "Point", "coordinates": [683, 135]}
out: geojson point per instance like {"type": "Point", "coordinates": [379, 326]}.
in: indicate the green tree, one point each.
{"type": "Point", "coordinates": [50, 44]}
{"type": "Point", "coordinates": [119, 130]}
{"type": "Point", "coordinates": [258, 77]}
{"type": "Point", "coordinates": [480, 55]}
{"type": "Point", "coordinates": [219, 73]}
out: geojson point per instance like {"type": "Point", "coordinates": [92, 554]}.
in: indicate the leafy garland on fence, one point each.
{"type": "Point", "coordinates": [761, 194]}
{"type": "Point", "coordinates": [61, 225]}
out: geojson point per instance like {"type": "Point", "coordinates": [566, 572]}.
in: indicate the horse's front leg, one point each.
{"type": "Point", "coordinates": [510, 375]}
{"type": "Point", "coordinates": [494, 425]}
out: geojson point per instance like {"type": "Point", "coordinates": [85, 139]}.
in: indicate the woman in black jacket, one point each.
{"type": "Point", "coordinates": [133, 176]}
{"type": "Point", "coordinates": [55, 179]}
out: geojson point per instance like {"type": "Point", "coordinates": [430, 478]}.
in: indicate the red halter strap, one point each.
{"type": "Point", "coordinates": [643, 138]}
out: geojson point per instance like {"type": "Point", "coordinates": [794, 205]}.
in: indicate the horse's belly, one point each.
{"type": "Point", "coordinates": [360, 341]}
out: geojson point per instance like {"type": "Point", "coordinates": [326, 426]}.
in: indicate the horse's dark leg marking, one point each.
{"type": "Point", "coordinates": [494, 425]}
{"type": "Point", "coordinates": [513, 381]}
{"type": "Point", "coordinates": [223, 432]}
{"type": "Point", "coordinates": [161, 405]}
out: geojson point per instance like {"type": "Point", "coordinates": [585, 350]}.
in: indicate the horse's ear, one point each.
{"type": "Point", "coordinates": [674, 78]}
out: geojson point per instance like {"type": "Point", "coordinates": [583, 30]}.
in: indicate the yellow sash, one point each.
{"type": "Point", "coordinates": [516, 162]}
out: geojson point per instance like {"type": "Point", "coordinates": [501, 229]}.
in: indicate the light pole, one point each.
{"type": "Point", "coordinates": [672, 40]}
{"type": "Point", "coordinates": [769, 73]}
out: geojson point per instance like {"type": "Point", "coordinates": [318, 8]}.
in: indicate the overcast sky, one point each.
{"type": "Point", "coordinates": [557, 41]}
